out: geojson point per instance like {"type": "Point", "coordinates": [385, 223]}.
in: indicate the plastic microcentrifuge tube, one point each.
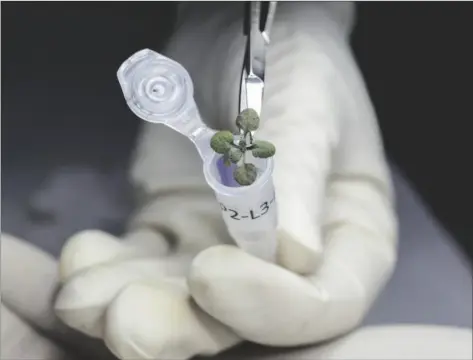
{"type": "Point", "coordinates": [159, 90]}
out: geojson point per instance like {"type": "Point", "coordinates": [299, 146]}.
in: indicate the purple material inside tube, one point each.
{"type": "Point", "coordinates": [226, 173]}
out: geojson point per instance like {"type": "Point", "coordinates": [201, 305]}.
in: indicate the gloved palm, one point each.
{"type": "Point", "coordinates": [170, 289]}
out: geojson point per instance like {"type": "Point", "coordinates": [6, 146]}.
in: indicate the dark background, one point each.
{"type": "Point", "coordinates": [416, 58]}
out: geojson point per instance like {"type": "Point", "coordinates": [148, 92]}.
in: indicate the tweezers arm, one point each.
{"type": "Point", "coordinates": [258, 19]}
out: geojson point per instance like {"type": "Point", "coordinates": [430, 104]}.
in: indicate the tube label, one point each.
{"type": "Point", "coordinates": [252, 212]}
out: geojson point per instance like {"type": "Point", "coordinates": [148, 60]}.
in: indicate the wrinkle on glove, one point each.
{"type": "Point", "coordinates": [337, 228]}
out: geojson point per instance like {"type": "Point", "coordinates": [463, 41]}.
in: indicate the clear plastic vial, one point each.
{"type": "Point", "coordinates": [159, 90]}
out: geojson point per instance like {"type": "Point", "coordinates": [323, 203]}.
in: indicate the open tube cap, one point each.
{"type": "Point", "coordinates": [159, 90]}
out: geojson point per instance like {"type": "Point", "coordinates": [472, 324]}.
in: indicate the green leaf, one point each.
{"type": "Point", "coordinates": [235, 155]}
{"type": "Point", "coordinates": [248, 120]}
{"type": "Point", "coordinates": [263, 149]}
{"type": "Point", "coordinates": [226, 159]}
{"type": "Point", "coordinates": [245, 174]}
{"type": "Point", "coordinates": [221, 142]}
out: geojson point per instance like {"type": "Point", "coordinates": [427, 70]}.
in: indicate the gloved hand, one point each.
{"type": "Point", "coordinates": [169, 289]}
{"type": "Point", "coordinates": [29, 329]}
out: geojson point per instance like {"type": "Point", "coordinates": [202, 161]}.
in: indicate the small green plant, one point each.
{"type": "Point", "coordinates": [234, 151]}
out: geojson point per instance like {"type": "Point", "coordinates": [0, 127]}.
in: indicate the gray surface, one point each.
{"type": "Point", "coordinates": [432, 283]}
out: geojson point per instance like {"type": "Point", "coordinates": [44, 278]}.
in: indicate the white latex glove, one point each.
{"type": "Point", "coordinates": [150, 297]}
{"type": "Point", "coordinates": [29, 329]}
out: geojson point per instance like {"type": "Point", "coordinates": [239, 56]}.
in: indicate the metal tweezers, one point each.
{"type": "Point", "coordinates": [259, 16]}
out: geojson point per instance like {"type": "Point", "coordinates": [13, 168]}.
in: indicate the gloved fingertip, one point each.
{"type": "Point", "coordinates": [86, 249]}
{"type": "Point", "coordinates": [246, 294]}
{"type": "Point", "coordinates": [84, 298]}
{"type": "Point", "coordinates": [295, 255]}
{"type": "Point", "coordinates": [299, 235]}
{"type": "Point", "coordinates": [150, 322]}
{"type": "Point", "coordinates": [223, 275]}
{"type": "Point", "coordinates": [86, 319]}
{"type": "Point", "coordinates": [148, 240]}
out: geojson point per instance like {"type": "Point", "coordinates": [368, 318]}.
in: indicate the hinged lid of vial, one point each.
{"type": "Point", "coordinates": [159, 90]}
